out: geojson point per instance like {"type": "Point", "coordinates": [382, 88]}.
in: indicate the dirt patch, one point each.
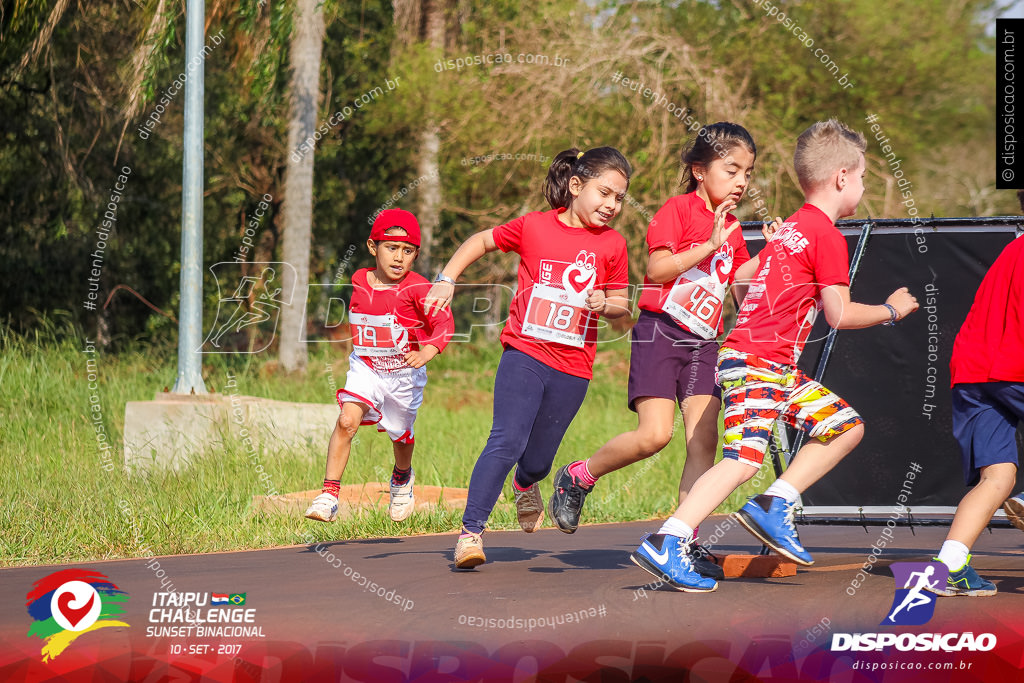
{"type": "Point", "coordinates": [355, 496]}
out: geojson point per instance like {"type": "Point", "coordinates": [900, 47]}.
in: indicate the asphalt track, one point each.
{"type": "Point", "coordinates": [545, 605]}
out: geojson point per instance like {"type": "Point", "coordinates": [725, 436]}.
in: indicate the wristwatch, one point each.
{"type": "Point", "coordinates": [441, 277]}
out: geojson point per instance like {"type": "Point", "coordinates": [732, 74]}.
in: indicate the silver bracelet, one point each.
{"type": "Point", "coordinates": [441, 277]}
{"type": "Point", "coordinates": [893, 317]}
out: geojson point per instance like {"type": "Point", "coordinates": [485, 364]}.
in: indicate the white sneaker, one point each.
{"type": "Point", "coordinates": [324, 508]}
{"type": "Point", "coordinates": [402, 501]}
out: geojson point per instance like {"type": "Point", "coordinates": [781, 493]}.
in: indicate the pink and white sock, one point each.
{"type": "Point", "coordinates": [581, 472]}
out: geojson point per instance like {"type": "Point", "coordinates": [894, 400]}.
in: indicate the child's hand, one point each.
{"type": "Point", "coordinates": [769, 230]}
{"type": "Point", "coordinates": [438, 298]}
{"type": "Point", "coordinates": [417, 359]}
{"type": "Point", "coordinates": [595, 300]}
{"type": "Point", "coordinates": [903, 301]}
{"type": "Point", "coordinates": [719, 233]}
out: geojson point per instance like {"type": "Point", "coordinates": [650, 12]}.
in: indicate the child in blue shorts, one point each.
{"type": "Point", "coordinates": [987, 374]}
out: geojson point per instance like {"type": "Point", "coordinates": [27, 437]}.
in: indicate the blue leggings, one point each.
{"type": "Point", "coordinates": [533, 406]}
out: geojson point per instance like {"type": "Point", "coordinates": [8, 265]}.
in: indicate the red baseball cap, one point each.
{"type": "Point", "coordinates": [396, 218]}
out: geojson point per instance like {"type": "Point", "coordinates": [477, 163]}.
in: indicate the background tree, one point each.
{"type": "Point", "coordinates": [304, 96]}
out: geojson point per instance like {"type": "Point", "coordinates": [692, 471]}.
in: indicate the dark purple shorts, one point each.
{"type": "Point", "coordinates": [667, 361]}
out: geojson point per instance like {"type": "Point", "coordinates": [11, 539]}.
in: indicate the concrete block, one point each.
{"type": "Point", "coordinates": [171, 430]}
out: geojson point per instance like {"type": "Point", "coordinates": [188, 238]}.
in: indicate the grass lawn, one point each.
{"type": "Point", "coordinates": [61, 506]}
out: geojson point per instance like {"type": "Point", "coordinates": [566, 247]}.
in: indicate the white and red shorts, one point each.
{"type": "Point", "coordinates": [393, 397]}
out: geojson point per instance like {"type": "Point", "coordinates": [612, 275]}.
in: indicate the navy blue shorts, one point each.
{"type": "Point", "coordinates": [985, 418]}
{"type": "Point", "coordinates": [666, 361]}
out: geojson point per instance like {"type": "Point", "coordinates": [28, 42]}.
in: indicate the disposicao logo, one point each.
{"type": "Point", "coordinates": [69, 603]}
{"type": "Point", "coordinates": [913, 604]}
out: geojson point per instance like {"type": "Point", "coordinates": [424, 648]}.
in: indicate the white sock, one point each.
{"type": "Point", "coordinates": [953, 554]}
{"type": "Point", "coordinates": [783, 489]}
{"type": "Point", "coordinates": [674, 527]}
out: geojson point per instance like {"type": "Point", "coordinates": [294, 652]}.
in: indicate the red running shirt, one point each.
{"type": "Point", "coordinates": [388, 323]}
{"type": "Point", "coordinates": [695, 298]}
{"type": "Point", "coordinates": [806, 254]}
{"type": "Point", "coordinates": [557, 265]}
{"type": "Point", "coordinates": [990, 345]}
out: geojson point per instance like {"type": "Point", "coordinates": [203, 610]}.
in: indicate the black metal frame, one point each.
{"type": "Point", "coordinates": [866, 228]}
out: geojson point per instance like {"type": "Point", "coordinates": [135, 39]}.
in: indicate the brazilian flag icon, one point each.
{"type": "Point", "coordinates": [237, 598]}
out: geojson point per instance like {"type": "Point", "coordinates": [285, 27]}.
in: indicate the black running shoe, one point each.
{"type": "Point", "coordinates": [705, 562]}
{"type": "Point", "coordinates": [566, 501]}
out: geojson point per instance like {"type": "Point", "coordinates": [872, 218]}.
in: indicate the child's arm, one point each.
{"type": "Point", "coordinates": [843, 314]}
{"type": "Point", "coordinates": [432, 332]}
{"type": "Point", "coordinates": [611, 304]}
{"type": "Point", "coordinates": [440, 295]}
{"type": "Point", "coordinates": [422, 356]}
{"type": "Point", "coordinates": [745, 273]}
{"type": "Point", "coordinates": [664, 266]}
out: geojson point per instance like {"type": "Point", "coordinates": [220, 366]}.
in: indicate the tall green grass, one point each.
{"type": "Point", "coordinates": [60, 505]}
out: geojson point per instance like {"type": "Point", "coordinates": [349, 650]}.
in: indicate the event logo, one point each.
{"type": "Point", "coordinates": [913, 604]}
{"type": "Point", "coordinates": [227, 598]}
{"type": "Point", "coordinates": [69, 603]}
{"type": "Point", "coordinates": [255, 301]}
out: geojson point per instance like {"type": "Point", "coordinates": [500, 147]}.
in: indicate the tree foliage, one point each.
{"type": "Point", "coordinates": [71, 107]}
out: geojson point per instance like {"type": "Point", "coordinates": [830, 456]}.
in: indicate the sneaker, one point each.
{"type": "Point", "coordinates": [705, 562]}
{"type": "Point", "coordinates": [469, 551]}
{"type": "Point", "coordinates": [770, 518]}
{"type": "Point", "coordinates": [402, 501]}
{"type": "Point", "coordinates": [1014, 509]}
{"type": "Point", "coordinates": [965, 581]}
{"type": "Point", "coordinates": [668, 558]}
{"type": "Point", "coordinates": [529, 507]}
{"type": "Point", "coordinates": [566, 501]}
{"type": "Point", "coordinates": [324, 508]}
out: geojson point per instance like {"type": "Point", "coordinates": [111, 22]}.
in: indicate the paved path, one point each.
{"type": "Point", "coordinates": [394, 609]}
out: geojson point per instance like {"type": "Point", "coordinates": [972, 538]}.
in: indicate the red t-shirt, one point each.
{"type": "Point", "coordinates": [388, 323]}
{"type": "Point", "coordinates": [557, 265]}
{"type": "Point", "coordinates": [695, 298]}
{"type": "Point", "coordinates": [990, 345]}
{"type": "Point", "coordinates": [806, 254]}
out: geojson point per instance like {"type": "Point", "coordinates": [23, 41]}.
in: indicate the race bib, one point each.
{"type": "Point", "coordinates": [378, 335]}
{"type": "Point", "coordinates": [555, 311]}
{"type": "Point", "coordinates": [697, 297]}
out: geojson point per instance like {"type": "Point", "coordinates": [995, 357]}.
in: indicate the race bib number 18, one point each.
{"type": "Point", "coordinates": [553, 315]}
{"type": "Point", "coordinates": [555, 311]}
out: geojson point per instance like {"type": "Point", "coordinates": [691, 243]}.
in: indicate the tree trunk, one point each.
{"type": "Point", "coordinates": [297, 207]}
{"type": "Point", "coordinates": [428, 200]}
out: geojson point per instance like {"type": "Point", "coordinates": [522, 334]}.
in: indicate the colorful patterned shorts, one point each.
{"type": "Point", "coordinates": [756, 392]}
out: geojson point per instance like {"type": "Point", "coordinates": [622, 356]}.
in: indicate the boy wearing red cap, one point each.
{"type": "Point", "coordinates": [393, 338]}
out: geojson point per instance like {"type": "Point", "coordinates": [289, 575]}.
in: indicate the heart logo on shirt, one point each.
{"type": "Point", "coordinates": [581, 274]}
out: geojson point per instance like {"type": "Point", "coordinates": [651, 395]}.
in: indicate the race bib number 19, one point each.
{"type": "Point", "coordinates": [377, 335]}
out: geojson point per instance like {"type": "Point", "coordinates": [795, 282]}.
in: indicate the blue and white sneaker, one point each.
{"type": "Point", "coordinates": [668, 558]}
{"type": "Point", "coordinates": [770, 518]}
{"type": "Point", "coordinates": [324, 508]}
{"type": "Point", "coordinates": [965, 581]}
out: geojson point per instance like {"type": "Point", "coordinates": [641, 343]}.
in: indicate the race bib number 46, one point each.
{"type": "Point", "coordinates": [557, 301]}
{"type": "Point", "coordinates": [696, 298]}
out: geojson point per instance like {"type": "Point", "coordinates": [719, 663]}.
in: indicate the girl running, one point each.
{"type": "Point", "coordinates": [693, 258]}
{"type": "Point", "coordinates": [572, 268]}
